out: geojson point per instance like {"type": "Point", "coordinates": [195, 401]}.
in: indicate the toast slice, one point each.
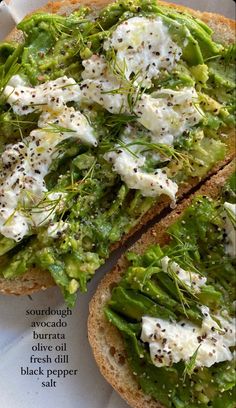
{"type": "Point", "coordinates": [106, 341]}
{"type": "Point", "coordinates": [224, 31]}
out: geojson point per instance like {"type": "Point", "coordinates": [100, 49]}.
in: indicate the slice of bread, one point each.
{"type": "Point", "coordinates": [106, 341]}
{"type": "Point", "coordinates": [224, 32]}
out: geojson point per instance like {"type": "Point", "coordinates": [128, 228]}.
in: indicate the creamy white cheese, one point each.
{"type": "Point", "coordinates": [189, 278]}
{"type": "Point", "coordinates": [70, 123]}
{"type": "Point", "coordinates": [169, 113]}
{"type": "Point", "coordinates": [26, 163]}
{"type": "Point", "coordinates": [171, 342]}
{"type": "Point", "coordinates": [53, 94]}
{"type": "Point", "coordinates": [143, 46]}
{"type": "Point", "coordinates": [230, 228]}
{"type": "Point", "coordinates": [101, 86]}
{"type": "Point", "coordinates": [13, 224]}
{"type": "Point", "coordinates": [150, 185]}
{"type": "Point", "coordinates": [24, 200]}
{"type": "Point", "coordinates": [17, 80]}
{"type": "Point", "coordinates": [166, 113]}
{"type": "Point", "coordinates": [95, 67]}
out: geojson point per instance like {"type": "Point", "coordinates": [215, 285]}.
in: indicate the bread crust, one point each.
{"type": "Point", "coordinates": [105, 340]}
{"type": "Point", "coordinates": [225, 30]}
{"type": "Point", "coordinates": [32, 281]}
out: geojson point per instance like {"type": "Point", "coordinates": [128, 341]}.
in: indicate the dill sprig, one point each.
{"type": "Point", "coordinates": [231, 216]}
{"type": "Point", "coordinates": [10, 218]}
{"type": "Point", "coordinates": [116, 123]}
{"type": "Point", "coordinates": [128, 87]}
{"type": "Point", "coordinates": [180, 253]}
{"type": "Point", "coordinates": [190, 364]}
{"type": "Point", "coordinates": [46, 205]}
{"type": "Point", "coordinates": [57, 28]}
{"type": "Point", "coordinates": [5, 75]}
{"type": "Point", "coordinates": [75, 184]}
{"type": "Point", "coordinates": [180, 291]}
{"type": "Point", "coordinates": [10, 68]}
{"type": "Point", "coordinates": [229, 54]}
{"type": "Point", "coordinates": [198, 109]}
{"type": "Point", "coordinates": [226, 58]}
{"type": "Point", "coordinates": [19, 125]}
{"type": "Point", "coordinates": [125, 146]}
{"type": "Point", "coordinates": [213, 57]}
{"type": "Point", "coordinates": [165, 150]}
{"type": "Point", "coordinates": [17, 122]}
{"type": "Point", "coordinates": [54, 128]}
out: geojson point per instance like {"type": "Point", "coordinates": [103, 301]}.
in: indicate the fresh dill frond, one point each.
{"type": "Point", "coordinates": [197, 107]}
{"type": "Point", "coordinates": [181, 253]}
{"type": "Point", "coordinates": [17, 122]}
{"type": "Point", "coordinates": [177, 281]}
{"type": "Point", "coordinates": [213, 57]}
{"type": "Point", "coordinates": [54, 128]}
{"type": "Point", "coordinates": [124, 146]}
{"type": "Point", "coordinates": [231, 216]}
{"type": "Point", "coordinates": [74, 187]}
{"type": "Point", "coordinates": [229, 54]}
{"type": "Point", "coordinates": [47, 205]}
{"type": "Point", "coordinates": [19, 129]}
{"type": "Point", "coordinates": [190, 364]}
{"type": "Point", "coordinates": [10, 218]}
{"type": "Point", "coordinates": [226, 58]}
{"type": "Point", "coordinates": [10, 68]}
{"type": "Point", "coordinates": [131, 88]}
{"type": "Point", "coordinates": [165, 150]}
{"type": "Point", "coordinates": [5, 75]}
{"type": "Point", "coordinates": [116, 123]}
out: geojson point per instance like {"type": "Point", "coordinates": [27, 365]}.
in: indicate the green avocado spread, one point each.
{"type": "Point", "coordinates": [198, 243]}
{"type": "Point", "coordinates": [101, 114]}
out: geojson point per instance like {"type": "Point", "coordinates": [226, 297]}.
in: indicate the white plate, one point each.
{"type": "Point", "coordinates": [85, 390]}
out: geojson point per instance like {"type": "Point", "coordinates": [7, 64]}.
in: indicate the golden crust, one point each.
{"type": "Point", "coordinates": [106, 341]}
{"type": "Point", "coordinates": [225, 31]}
{"type": "Point", "coordinates": [32, 281]}
{"type": "Point", "coordinates": [223, 27]}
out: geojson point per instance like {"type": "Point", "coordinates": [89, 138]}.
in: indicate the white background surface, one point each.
{"type": "Point", "coordinates": [88, 389]}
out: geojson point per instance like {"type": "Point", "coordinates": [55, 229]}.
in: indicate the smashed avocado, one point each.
{"type": "Point", "coordinates": [197, 243]}
{"type": "Point", "coordinates": [100, 207]}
